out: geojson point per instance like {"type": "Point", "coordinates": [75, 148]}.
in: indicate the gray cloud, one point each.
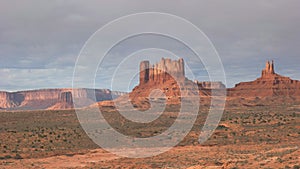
{"type": "Point", "coordinates": [40, 41]}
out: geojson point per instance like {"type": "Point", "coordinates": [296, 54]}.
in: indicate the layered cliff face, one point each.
{"type": "Point", "coordinates": [268, 85]}
{"type": "Point", "coordinates": [6, 100]}
{"type": "Point", "coordinates": [161, 72]}
{"type": "Point", "coordinates": [160, 80]}
{"type": "Point", "coordinates": [66, 97]}
{"type": "Point", "coordinates": [54, 98]}
{"type": "Point", "coordinates": [65, 101]}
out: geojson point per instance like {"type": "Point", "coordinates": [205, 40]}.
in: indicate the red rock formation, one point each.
{"type": "Point", "coordinates": [268, 87]}
{"type": "Point", "coordinates": [168, 77]}
{"type": "Point", "coordinates": [6, 100]}
{"type": "Point", "coordinates": [161, 72]}
{"type": "Point", "coordinates": [269, 70]}
{"type": "Point", "coordinates": [144, 72]}
{"type": "Point", "coordinates": [66, 97]}
{"type": "Point", "coordinates": [65, 101]}
{"type": "Point", "coordinates": [158, 76]}
{"type": "Point", "coordinates": [269, 84]}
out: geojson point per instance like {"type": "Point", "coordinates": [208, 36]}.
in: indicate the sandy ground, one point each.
{"type": "Point", "coordinates": [191, 157]}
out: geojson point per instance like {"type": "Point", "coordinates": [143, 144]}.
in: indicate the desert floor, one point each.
{"type": "Point", "coordinates": [248, 136]}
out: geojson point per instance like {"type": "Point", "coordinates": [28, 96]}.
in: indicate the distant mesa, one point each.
{"type": "Point", "coordinates": [54, 98]}
{"type": "Point", "coordinates": [270, 84]}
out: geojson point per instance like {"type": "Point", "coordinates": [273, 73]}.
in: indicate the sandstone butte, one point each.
{"type": "Point", "coordinates": [163, 81]}
{"type": "Point", "coordinates": [270, 84]}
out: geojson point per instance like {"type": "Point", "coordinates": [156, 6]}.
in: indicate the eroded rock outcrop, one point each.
{"type": "Point", "coordinates": [162, 71]}
{"type": "Point", "coordinates": [166, 80]}
{"type": "Point", "coordinates": [65, 101]}
{"type": "Point", "coordinates": [269, 70]}
{"type": "Point", "coordinates": [268, 85]}
{"type": "Point", "coordinates": [66, 97]}
{"type": "Point", "coordinates": [6, 100]}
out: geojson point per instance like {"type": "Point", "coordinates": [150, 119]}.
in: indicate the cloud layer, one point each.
{"type": "Point", "coordinates": [40, 41]}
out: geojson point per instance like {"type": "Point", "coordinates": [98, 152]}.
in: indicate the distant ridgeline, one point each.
{"type": "Point", "coordinates": [53, 98]}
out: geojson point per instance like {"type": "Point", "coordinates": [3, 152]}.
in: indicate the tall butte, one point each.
{"type": "Point", "coordinates": [165, 79]}
{"type": "Point", "coordinates": [270, 84]}
{"type": "Point", "coordinates": [161, 72]}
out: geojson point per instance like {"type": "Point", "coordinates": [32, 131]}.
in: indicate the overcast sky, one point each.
{"type": "Point", "coordinates": [40, 40]}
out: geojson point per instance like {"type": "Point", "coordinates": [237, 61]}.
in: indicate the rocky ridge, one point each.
{"type": "Point", "coordinates": [54, 98]}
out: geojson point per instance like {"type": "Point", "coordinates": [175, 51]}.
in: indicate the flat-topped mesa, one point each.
{"type": "Point", "coordinates": [162, 71]}
{"type": "Point", "coordinates": [54, 98]}
{"type": "Point", "coordinates": [269, 70]}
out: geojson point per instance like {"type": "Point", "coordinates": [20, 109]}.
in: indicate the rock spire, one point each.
{"type": "Point", "coordinates": [269, 70]}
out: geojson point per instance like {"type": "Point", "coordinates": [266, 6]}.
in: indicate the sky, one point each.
{"type": "Point", "coordinates": [40, 41]}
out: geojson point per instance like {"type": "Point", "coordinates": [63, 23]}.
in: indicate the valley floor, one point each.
{"type": "Point", "coordinates": [247, 137]}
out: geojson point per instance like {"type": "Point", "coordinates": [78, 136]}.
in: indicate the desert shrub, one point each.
{"type": "Point", "coordinates": [280, 160]}
{"type": "Point", "coordinates": [7, 157]}
{"type": "Point", "coordinates": [220, 127]}
{"type": "Point", "coordinates": [18, 157]}
{"type": "Point", "coordinates": [296, 167]}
